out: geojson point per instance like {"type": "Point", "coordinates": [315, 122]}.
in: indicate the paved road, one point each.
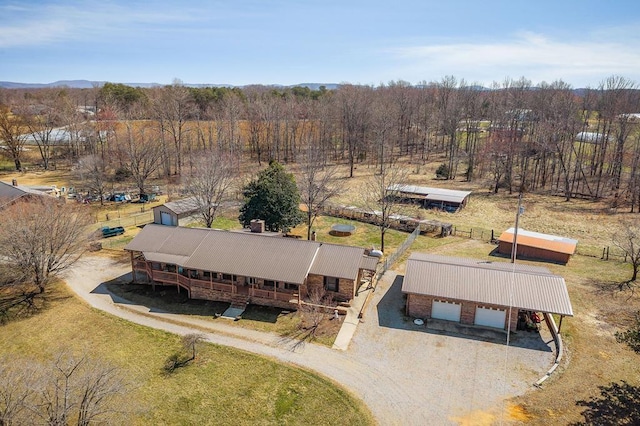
{"type": "Point", "coordinates": [404, 373]}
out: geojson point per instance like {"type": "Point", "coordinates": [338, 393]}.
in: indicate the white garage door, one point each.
{"type": "Point", "coordinates": [165, 218]}
{"type": "Point", "coordinates": [446, 311]}
{"type": "Point", "coordinates": [490, 317]}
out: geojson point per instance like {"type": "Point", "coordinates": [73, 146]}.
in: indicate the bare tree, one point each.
{"type": "Point", "coordinates": [91, 170]}
{"type": "Point", "coordinates": [190, 342]}
{"type": "Point", "coordinates": [143, 152]}
{"type": "Point", "coordinates": [17, 387]}
{"type": "Point", "coordinates": [68, 390]}
{"type": "Point", "coordinates": [314, 309]}
{"type": "Point", "coordinates": [628, 240]}
{"type": "Point", "coordinates": [78, 388]}
{"type": "Point", "coordinates": [211, 177]}
{"type": "Point", "coordinates": [42, 239]}
{"type": "Point", "coordinates": [379, 193]}
{"type": "Point", "coordinates": [12, 135]}
{"type": "Point", "coordinates": [318, 184]}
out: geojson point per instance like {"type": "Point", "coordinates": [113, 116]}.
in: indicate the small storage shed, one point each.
{"type": "Point", "coordinates": [433, 198]}
{"type": "Point", "coordinates": [172, 212]}
{"type": "Point", "coordinates": [480, 293]}
{"type": "Point", "coordinates": [534, 245]}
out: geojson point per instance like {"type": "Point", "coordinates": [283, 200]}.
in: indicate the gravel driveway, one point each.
{"type": "Point", "coordinates": [451, 378]}
{"type": "Point", "coordinates": [404, 373]}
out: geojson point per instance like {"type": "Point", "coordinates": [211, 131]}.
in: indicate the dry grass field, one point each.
{"type": "Point", "coordinates": [593, 358]}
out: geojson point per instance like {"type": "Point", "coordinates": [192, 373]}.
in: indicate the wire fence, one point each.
{"type": "Point", "coordinates": [130, 220]}
{"type": "Point", "coordinates": [393, 257]}
{"type": "Point", "coordinates": [481, 234]}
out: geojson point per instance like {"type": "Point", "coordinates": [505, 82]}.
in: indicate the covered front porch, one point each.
{"type": "Point", "coordinates": [211, 285]}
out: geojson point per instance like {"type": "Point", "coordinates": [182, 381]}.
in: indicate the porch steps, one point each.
{"type": "Point", "coordinates": [239, 301]}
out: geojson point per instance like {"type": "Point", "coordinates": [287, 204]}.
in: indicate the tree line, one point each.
{"type": "Point", "coordinates": [513, 135]}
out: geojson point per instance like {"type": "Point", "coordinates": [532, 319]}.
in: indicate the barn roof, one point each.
{"type": "Point", "coordinates": [541, 241]}
{"type": "Point", "coordinates": [495, 283]}
{"type": "Point", "coordinates": [252, 255]}
{"type": "Point", "coordinates": [432, 194]}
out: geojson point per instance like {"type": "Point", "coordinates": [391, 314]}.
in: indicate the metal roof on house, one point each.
{"type": "Point", "coordinates": [542, 241]}
{"type": "Point", "coordinates": [184, 206]}
{"type": "Point", "coordinates": [10, 193]}
{"type": "Point", "coordinates": [251, 255]}
{"type": "Point", "coordinates": [337, 261]}
{"type": "Point", "coordinates": [495, 283]}
{"type": "Point", "coordinates": [433, 194]}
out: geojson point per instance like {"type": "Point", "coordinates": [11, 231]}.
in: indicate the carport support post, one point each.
{"type": "Point", "coordinates": [560, 324]}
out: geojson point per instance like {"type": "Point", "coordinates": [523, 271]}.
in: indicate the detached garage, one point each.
{"type": "Point", "coordinates": [482, 293]}
{"type": "Point", "coordinates": [172, 212]}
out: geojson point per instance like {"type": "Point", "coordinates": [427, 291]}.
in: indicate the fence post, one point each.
{"type": "Point", "coordinates": [603, 251]}
{"type": "Point", "coordinates": [607, 252]}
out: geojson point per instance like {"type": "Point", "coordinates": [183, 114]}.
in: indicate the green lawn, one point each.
{"type": "Point", "coordinates": [223, 385]}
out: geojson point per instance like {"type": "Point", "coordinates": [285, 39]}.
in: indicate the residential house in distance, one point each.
{"type": "Point", "coordinates": [477, 292]}
{"type": "Point", "coordinates": [244, 267]}
{"type": "Point", "coordinates": [12, 192]}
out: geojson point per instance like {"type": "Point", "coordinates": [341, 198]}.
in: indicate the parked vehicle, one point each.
{"type": "Point", "coordinates": [112, 232]}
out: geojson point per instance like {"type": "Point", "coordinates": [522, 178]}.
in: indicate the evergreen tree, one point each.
{"type": "Point", "coordinates": [273, 197]}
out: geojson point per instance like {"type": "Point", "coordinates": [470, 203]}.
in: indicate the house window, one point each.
{"type": "Point", "coordinates": [250, 280]}
{"type": "Point", "coordinates": [289, 286]}
{"type": "Point", "coordinates": [330, 283]}
{"type": "Point", "coordinates": [206, 274]}
{"type": "Point", "coordinates": [226, 277]}
{"type": "Point", "coordinates": [269, 283]}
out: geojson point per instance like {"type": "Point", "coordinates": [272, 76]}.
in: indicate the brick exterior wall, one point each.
{"type": "Point", "coordinates": [419, 306]}
{"type": "Point", "coordinates": [208, 294]}
{"type": "Point", "coordinates": [346, 288]}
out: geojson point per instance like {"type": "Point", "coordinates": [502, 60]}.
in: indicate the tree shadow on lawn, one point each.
{"type": "Point", "coordinates": [618, 404]}
{"type": "Point", "coordinates": [23, 301]}
{"type": "Point", "coordinates": [612, 288]}
{"type": "Point", "coordinates": [391, 314]}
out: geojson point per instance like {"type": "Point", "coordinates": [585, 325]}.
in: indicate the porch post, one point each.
{"type": "Point", "coordinates": [275, 289]}
{"type": "Point", "coordinates": [133, 269]}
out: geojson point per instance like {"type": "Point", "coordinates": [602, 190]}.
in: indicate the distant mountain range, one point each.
{"type": "Point", "coordinates": [86, 84]}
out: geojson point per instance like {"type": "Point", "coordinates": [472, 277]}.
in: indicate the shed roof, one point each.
{"type": "Point", "coordinates": [252, 255]}
{"type": "Point", "coordinates": [369, 263]}
{"type": "Point", "coordinates": [495, 283]}
{"type": "Point", "coordinates": [542, 241]}
{"type": "Point", "coordinates": [433, 194]}
{"type": "Point", "coordinates": [184, 206]}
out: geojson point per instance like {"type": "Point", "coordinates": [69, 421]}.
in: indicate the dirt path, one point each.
{"type": "Point", "coordinates": [397, 390]}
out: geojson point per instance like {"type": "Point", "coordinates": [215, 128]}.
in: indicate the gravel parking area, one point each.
{"type": "Point", "coordinates": [446, 377]}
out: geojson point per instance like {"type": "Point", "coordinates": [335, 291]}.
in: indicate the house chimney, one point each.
{"type": "Point", "coordinates": [313, 236]}
{"type": "Point", "coordinates": [14, 182]}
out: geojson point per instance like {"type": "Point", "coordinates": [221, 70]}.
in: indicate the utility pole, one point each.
{"type": "Point", "coordinates": [514, 245]}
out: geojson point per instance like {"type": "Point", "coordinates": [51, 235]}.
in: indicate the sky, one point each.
{"type": "Point", "coordinates": [240, 42]}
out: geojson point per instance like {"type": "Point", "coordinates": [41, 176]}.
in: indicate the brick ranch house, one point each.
{"type": "Point", "coordinates": [479, 292]}
{"type": "Point", "coordinates": [241, 268]}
